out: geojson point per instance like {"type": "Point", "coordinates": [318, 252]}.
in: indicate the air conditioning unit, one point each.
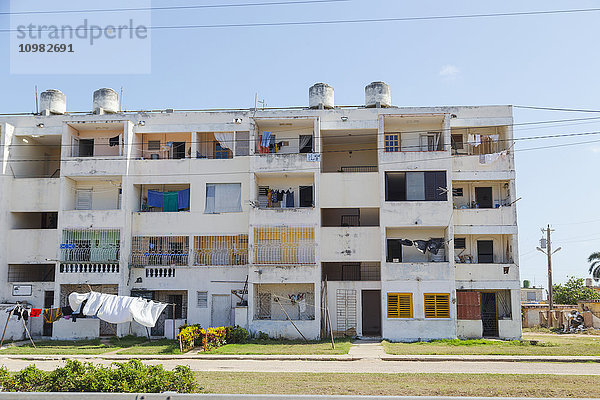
{"type": "Point", "coordinates": [395, 260]}
{"type": "Point", "coordinates": [154, 156]}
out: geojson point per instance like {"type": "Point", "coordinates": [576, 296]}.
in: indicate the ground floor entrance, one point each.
{"type": "Point", "coordinates": [371, 312]}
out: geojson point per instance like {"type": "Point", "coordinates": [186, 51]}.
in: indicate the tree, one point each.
{"type": "Point", "coordinates": [572, 291]}
{"type": "Point", "coordinates": [594, 260]}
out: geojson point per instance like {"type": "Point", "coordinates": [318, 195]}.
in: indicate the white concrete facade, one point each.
{"type": "Point", "coordinates": [93, 172]}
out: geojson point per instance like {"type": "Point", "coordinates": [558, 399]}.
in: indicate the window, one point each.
{"type": "Point", "coordinates": [437, 305]}
{"type": "Point", "coordinates": [485, 251]}
{"type": "Point", "coordinates": [202, 299]}
{"type": "Point", "coordinates": [431, 141]}
{"type": "Point", "coordinates": [457, 192]}
{"type": "Point", "coordinates": [86, 147]}
{"type": "Point", "coordinates": [178, 150]}
{"type": "Point", "coordinates": [460, 243]}
{"type": "Point", "coordinates": [306, 196]}
{"type": "Point", "coordinates": [221, 153]}
{"type": "Point", "coordinates": [399, 305]}
{"type": "Point", "coordinates": [457, 141]}
{"type": "Point", "coordinates": [392, 142]}
{"type": "Point", "coordinates": [153, 144]}
{"type": "Point", "coordinates": [306, 143]}
{"type": "Point", "coordinates": [415, 186]}
{"type": "Point", "coordinates": [468, 305]}
{"type": "Point", "coordinates": [483, 197]}
{"type": "Point", "coordinates": [83, 199]}
{"type": "Point", "coordinates": [394, 250]}
{"type": "Point", "coordinates": [223, 197]}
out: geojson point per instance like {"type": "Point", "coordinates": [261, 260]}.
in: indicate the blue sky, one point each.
{"type": "Point", "coordinates": [549, 60]}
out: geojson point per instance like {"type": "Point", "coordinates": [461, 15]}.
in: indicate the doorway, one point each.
{"type": "Point", "coordinates": [483, 197]}
{"type": "Point", "coordinates": [178, 150]}
{"type": "Point", "coordinates": [48, 302]}
{"type": "Point", "coordinates": [371, 312]}
{"type": "Point", "coordinates": [221, 310]}
{"type": "Point", "coordinates": [489, 315]}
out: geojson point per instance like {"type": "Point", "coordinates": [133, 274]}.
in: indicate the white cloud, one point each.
{"type": "Point", "coordinates": [449, 71]}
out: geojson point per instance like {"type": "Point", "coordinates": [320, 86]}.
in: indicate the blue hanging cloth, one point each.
{"type": "Point", "coordinates": [183, 199]}
{"type": "Point", "coordinates": [155, 199]}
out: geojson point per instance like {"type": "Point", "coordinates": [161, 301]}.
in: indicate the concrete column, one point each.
{"type": "Point", "coordinates": [194, 145]}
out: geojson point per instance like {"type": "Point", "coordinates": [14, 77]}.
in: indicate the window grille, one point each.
{"type": "Point", "coordinates": [221, 250]}
{"type": "Point", "coordinates": [31, 273]}
{"type": "Point", "coordinates": [392, 142]}
{"type": "Point", "coordinates": [437, 305]}
{"type": "Point", "coordinates": [159, 250]}
{"type": "Point", "coordinates": [297, 299]}
{"type": "Point", "coordinates": [90, 245]}
{"type": "Point", "coordinates": [399, 305]}
{"type": "Point", "coordinates": [202, 299]}
{"type": "Point", "coordinates": [284, 245]}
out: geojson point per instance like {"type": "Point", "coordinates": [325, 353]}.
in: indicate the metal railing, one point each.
{"type": "Point", "coordinates": [284, 245]}
{"type": "Point", "coordinates": [90, 245]}
{"type": "Point", "coordinates": [159, 250]}
{"type": "Point", "coordinates": [221, 250]}
{"type": "Point", "coordinates": [359, 168]}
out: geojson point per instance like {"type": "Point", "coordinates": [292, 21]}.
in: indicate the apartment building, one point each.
{"type": "Point", "coordinates": [371, 220]}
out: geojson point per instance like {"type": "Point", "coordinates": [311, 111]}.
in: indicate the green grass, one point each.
{"type": "Point", "coordinates": [548, 345]}
{"type": "Point", "coordinates": [488, 385]}
{"type": "Point", "coordinates": [155, 347]}
{"type": "Point", "coordinates": [74, 347]}
{"type": "Point", "coordinates": [280, 347]}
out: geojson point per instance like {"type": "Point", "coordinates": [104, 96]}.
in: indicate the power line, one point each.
{"type": "Point", "coordinates": [169, 8]}
{"type": "Point", "coordinates": [237, 140]}
{"type": "Point", "coordinates": [281, 170]}
{"type": "Point", "coordinates": [558, 109]}
{"type": "Point", "coordinates": [355, 21]}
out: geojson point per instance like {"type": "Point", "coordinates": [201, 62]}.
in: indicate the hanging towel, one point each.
{"type": "Point", "coordinates": [170, 202]}
{"type": "Point", "coordinates": [289, 200]}
{"type": "Point", "coordinates": [52, 314]}
{"type": "Point", "coordinates": [115, 309]}
{"type": "Point", "coordinates": [35, 312]}
{"type": "Point", "coordinates": [145, 312]}
{"type": "Point", "coordinates": [76, 299]}
{"type": "Point", "coordinates": [183, 199]}
{"type": "Point", "coordinates": [266, 139]}
{"type": "Point", "coordinates": [94, 302]}
{"type": "Point", "coordinates": [155, 199]}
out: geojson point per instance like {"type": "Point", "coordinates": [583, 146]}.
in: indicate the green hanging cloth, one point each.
{"type": "Point", "coordinates": [170, 202]}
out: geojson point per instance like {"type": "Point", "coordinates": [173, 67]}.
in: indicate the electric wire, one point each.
{"type": "Point", "coordinates": [358, 21]}
{"type": "Point", "coordinates": [170, 8]}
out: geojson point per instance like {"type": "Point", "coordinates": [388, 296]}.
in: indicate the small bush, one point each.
{"type": "Point", "coordinates": [130, 377]}
{"type": "Point", "coordinates": [236, 334]}
{"type": "Point", "coordinates": [262, 335]}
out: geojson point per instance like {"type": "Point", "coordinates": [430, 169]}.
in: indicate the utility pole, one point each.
{"type": "Point", "coordinates": [546, 248]}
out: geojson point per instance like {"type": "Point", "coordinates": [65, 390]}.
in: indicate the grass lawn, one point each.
{"type": "Point", "coordinates": [549, 345]}
{"type": "Point", "coordinates": [492, 385]}
{"type": "Point", "coordinates": [278, 347]}
{"type": "Point", "coordinates": [155, 347]}
{"type": "Point", "coordinates": [74, 347]}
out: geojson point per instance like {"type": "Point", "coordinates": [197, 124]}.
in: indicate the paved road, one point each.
{"type": "Point", "coordinates": [360, 366]}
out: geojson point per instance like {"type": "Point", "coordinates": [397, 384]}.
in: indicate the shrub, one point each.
{"type": "Point", "coordinates": [236, 334]}
{"type": "Point", "coordinates": [263, 336]}
{"type": "Point", "coordinates": [130, 377]}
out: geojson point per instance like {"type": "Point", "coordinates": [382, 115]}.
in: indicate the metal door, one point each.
{"type": "Point", "coordinates": [371, 312]}
{"type": "Point", "coordinates": [220, 310]}
{"type": "Point", "coordinates": [48, 302]}
{"type": "Point", "coordinates": [345, 311]}
{"type": "Point", "coordinates": [489, 315]}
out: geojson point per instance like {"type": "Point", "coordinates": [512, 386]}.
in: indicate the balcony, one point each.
{"type": "Point", "coordinates": [351, 243]}
{"type": "Point", "coordinates": [32, 245]}
{"type": "Point", "coordinates": [34, 194]}
{"type": "Point", "coordinates": [487, 272]}
{"type": "Point", "coordinates": [341, 190]}
{"type": "Point", "coordinates": [90, 246]}
{"type": "Point", "coordinates": [416, 213]}
{"type": "Point", "coordinates": [159, 251]}
{"type": "Point", "coordinates": [221, 250]}
{"type": "Point", "coordinates": [35, 156]}
{"type": "Point", "coordinates": [485, 216]}
{"type": "Point", "coordinates": [283, 245]}
{"type": "Point", "coordinates": [284, 162]}
{"type": "Point", "coordinates": [417, 271]}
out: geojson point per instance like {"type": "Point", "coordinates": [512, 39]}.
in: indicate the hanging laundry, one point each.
{"type": "Point", "coordinates": [488, 158]}
{"type": "Point", "coordinates": [20, 312]}
{"type": "Point", "coordinates": [170, 200]}
{"type": "Point", "coordinates": [113, 141]}
{"type": "Point", "coordinates": [434, 246]}
{"type": "Point", "coordinates": [183, 199]}
{"type": "Point", "coordinates": [35, 312]}
{"type": "Point", "coordinates": [115, 309]}
{"type": "Point", "coordinates": [421, 245]}
{"type": "Point", "coordinates": [280, 195]}
{"type": "Point", "coordinates": [52, 314]}
{"type": "Point", "coordinates": [266, 139]}
{"type": "Point", "coordinates": [289, 199]}
{"type": "Point", "coordinates": [67, 310]}
{"type": "Point", "coordinates": [283, 203]}
{"type": "Point", "coordinates": [406, 242]}
{"type": "Point", "coordinates": [155, 199]}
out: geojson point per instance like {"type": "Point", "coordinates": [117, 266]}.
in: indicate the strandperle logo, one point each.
{"type": "Point", "coordinates": [80, 37]}
{"type": "Point", "coordinates": [83, 31]}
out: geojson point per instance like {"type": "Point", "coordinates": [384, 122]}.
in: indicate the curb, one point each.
{"type": "Point", "coordinates": [498, 358]}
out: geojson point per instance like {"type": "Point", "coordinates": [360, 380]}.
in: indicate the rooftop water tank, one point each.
{"type": "Point", "coordinates": [106, 101]}
{"type": "Point", "coordinates": [53, 101]}
{"type": "Point", "coordinates": [320, 95]}
{"type": "Point", "coordinates": [378, 94]}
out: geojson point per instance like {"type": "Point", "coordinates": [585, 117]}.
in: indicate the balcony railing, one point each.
{"type": "Point", "coordinates": [160, 272]}
{"type": "Point", "coordinates": [90, 245]}
{"type": "Point", "coordinates": [284, 245]}
{"type": "Point", "coordinates": [221, 250]}
{"type": "Point", "coordinates": [89, 268]}
{"type": "Point", "coordinates": [159, 250]}
{"type": "Point", "coordinates": [359, 168]}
